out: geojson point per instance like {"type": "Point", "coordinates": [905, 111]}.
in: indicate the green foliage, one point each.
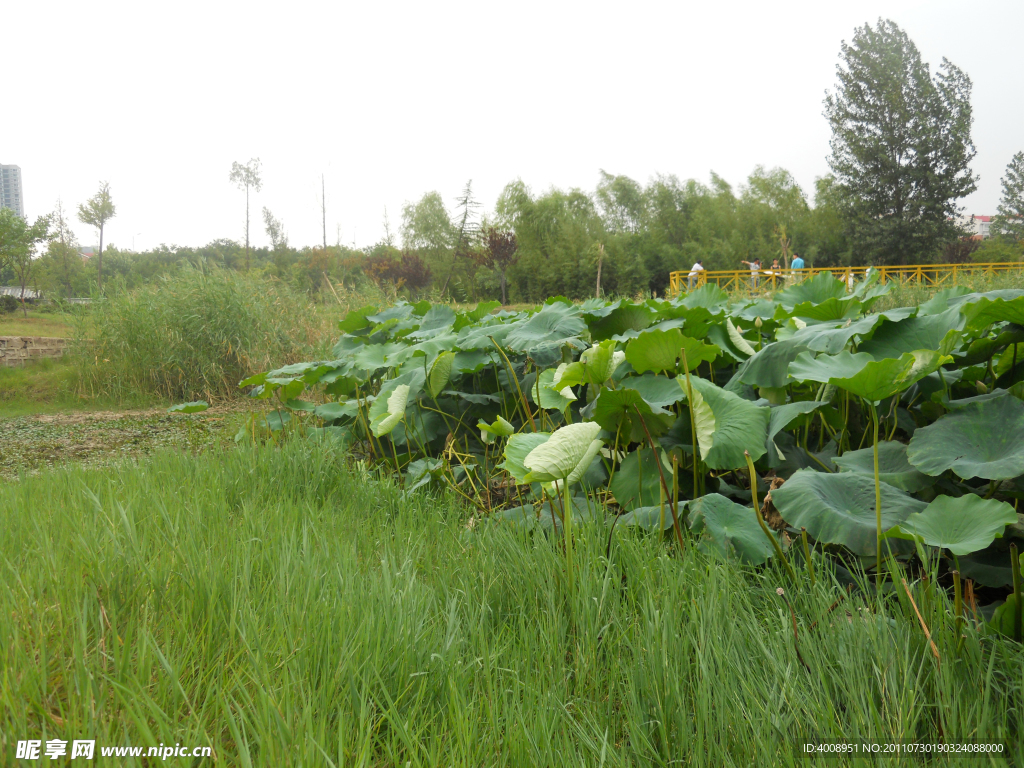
{"type": "Point", "coordinates": [282, 607]}
{"type": "Point", "coordinates": [588, 406]}
{"type": "Point", "coordinates": [194, 335]}
{"type": "Point", "coordinates": [901, 146]}
{"type": "Point", "coordinates": [1009, 221]}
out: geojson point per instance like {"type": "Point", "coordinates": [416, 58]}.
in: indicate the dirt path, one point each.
{"type": "Point", "coordinates": [31, 443]}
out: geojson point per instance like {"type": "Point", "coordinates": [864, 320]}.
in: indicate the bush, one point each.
{"type": "Point", "coordinates": [8, 304]}
{"type": "Point", "coordinates": [197, 334]}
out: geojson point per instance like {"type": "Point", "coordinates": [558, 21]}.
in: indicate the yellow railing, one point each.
{"type": "Point", "coordinates": [769, 279]}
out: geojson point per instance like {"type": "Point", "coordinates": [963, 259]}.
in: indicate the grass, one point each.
{"type": "Point", "coordinates": [36, 324]}
{"type": "Point", "coordinates": [286, 609]}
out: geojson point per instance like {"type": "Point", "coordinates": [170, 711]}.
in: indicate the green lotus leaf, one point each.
{"type": "Point", "coordinates": [499, 428]}
{"type": "Point", "coordinates": [994, 307]}
{"type": "Point", "coordinates": [658, 350]}
{"type": "Point", "coordinates": [727, 425]}
{"type": "Point", "coordinates": [840, 508]}
{"type": "Point", "coordinates": [781, 417]}
{"type": "Point", "coordinates": [770, 366]}
{"type": "Point", "coordinates": [370, 357]}
{"type": "Point", "coordinates": [479, 336]}
{"type": "Point", "coordinates": [566, 455]}
{"type": "Point", "coordinates": [862, 375]}
{"type": "Point", "coordinates": [440, 373]}
{"type": "Point", "coordinates": [942, 300]}
{"type": "Point", "coordinates": [730, 528]}
{"type": "Point", "coordinates": [708, 296]}
{"type": "Point", "coordinates": [983, 439]}
{"type": "Point", "coordinates": [335, 411]}
{"type": "Point", "coordinates": [544, 394]}
{"type": "Point", "coordinates": [658, 391]}
{"type": "Point", "coordinates": [940, 332]}
{"type": "Point", "coordinates": [438, 318]}
{"type": "Point", "coordinates": [600, 362]}
{"type": "Point", "coordinates": [626, 317]}
{"type": "Point", "coordinates": [517, 449]}
{"type": "Point", "coordinates": [615, 406]}
{"type": "Point", "coordinates": [275, 420]}
{"type": "Point", "coordinates": [473, 361]}
{"type": "Point", "coordinates": [1004, 618]}
{"type": "Point", "coordinates": [831, 309]}
{"type": "Point", "coordinates": [196, 406]}
{"type": "Point", "coordinates": [814, 290]}
{"type": "Point", "coordinates": [637, 482]}
{"type": "Point", "coordinates": [554, 326]}
{"type": "Point", "coordinates": [300, 405]}
{"type": "Point", "coordinates": [893, 466]}
{"type": "Point", "coordinates": [650, 518]}
{"type": "Point", "coordinates": [357, 319]}
{"type": "Point", "coordinates": [962, 525]}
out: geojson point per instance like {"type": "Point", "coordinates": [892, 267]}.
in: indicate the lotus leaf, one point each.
{"type": "Point", "coordinates": [730, 528]}
{"type": "Point", "coordinates": [962, 525]}
{"type": "Point", "coordinates": [727, 425]}
{"type": "Point", "coordinates": [566, 455]}
{"type": "Point", "coordinates": [517, 449]}
{"type": "Point", "coordinates": [893, 466]}
{"type": "Point", "coordinates": [983, 439]}
{"type": "Point", "coordinates": [840, 508]}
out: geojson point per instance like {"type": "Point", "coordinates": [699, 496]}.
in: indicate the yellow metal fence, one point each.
{"type": "Point", "coordinates": [775, 279]}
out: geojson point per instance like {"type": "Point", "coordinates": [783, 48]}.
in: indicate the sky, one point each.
{"type": "Point", "coordinates": [389, 101]}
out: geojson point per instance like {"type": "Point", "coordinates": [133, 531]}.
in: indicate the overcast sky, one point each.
{"type": "Point", "coordinates": [392, 100]}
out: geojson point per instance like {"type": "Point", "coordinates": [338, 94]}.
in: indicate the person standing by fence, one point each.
{"type": "Point", "coordinates": [755, 268]}
{"type": "Point", "coordinates": [695, 271]}
{"type": "Point", "coordinates": [798, 263]}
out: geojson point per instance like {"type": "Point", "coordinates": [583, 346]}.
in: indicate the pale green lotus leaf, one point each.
{"type": "Point", "coordinates": [737, 339]}
{"type": "Point", "coordinates": [962, 524]}
{"type": "Point", "coordinates": [563, 453]}
{"type": "Point", "coordinates": [517, 449]}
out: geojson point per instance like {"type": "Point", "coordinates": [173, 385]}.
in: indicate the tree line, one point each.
{"type": "Point", "coordinates": [899, 165]}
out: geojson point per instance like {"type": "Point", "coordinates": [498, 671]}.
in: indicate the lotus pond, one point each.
{"type": "Point", "coordinates": [799, 432]}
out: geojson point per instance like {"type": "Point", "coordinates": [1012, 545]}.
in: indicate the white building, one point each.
{"type": "Point", "coordinates": [979, 226]}
{"type": "Point", "coordinates": [10, 189]}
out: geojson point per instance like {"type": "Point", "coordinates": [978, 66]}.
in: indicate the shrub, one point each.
{"type": "Point", "coordinates": [8, 304]}
{"type": "Point", "coordinates": [196, 334]}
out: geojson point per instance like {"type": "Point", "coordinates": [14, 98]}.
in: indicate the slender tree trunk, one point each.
{"type": "Point", "coordinates": [504, 300]}
{"type": "Point", "coordinates": [246, 227]}
{"type": "Point", "coordinates": [600, 260]}
{"type": "Point", "coordinates": [323, 209]}
{"type": "Point", "coordinates": [99, 263]}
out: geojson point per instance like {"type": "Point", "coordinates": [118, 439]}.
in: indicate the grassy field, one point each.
{"type": "Point", "coordinates": [287, 609]}
{"type": "Point", "coordinates": [37, 323]}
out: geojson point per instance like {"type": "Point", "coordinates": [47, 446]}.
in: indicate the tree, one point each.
{"type": "Point", "coordinates": [500, 252]}
{"type": "Point", "coordinates": [18, 243]}
{"type": "Point", "coordinates": [275, 230]}
{"type": "Point", "coordinates": [901, 145]}
{"type": "Point", "coordinates": [1009, 220]}
{"type": "Point", "coordinates": [245, 177]}
{"type": "Point", "coordinates": [63, 252]}
{"type": "Point", "coordinates": [96, 212]}
{"type": "Point", "coordinates": [466, 231]}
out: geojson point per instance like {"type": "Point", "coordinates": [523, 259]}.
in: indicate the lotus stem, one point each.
{"type": "Point", "coordinates": [807, 555]}
{"type": "Point", "coordinates": [958, 606]}
{"type": "Point", "coordinates": [760, 519]}
{"type": "Point", "coordinates": [567, 514]}
{"type": "Point", "coordinates": [664, 485]}
{"type": "Point", "coordinates": [924, 627]}
{"type": "Point", "coordinates": [689, 407]}
{"type": "Point", "coordinates": [878, 501]}
{"type": "Point", "coordinates": [1018, 617]}
{"type": "Point", "coordinates": [512, 375]}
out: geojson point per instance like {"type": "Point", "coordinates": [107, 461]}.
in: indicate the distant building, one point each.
{"type": "Point", "coordinates": [10, 189]}
{"type": "Point", "coordinates": [979, 226]}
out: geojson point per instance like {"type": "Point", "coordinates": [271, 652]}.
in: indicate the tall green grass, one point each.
{"type": "Point", "coordinates": [198, 333]}
{"type": "Point", "coordinates": [289, 611]}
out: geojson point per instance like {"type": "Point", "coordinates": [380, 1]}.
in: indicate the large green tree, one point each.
{"type": "Point", "coordinates": [901, 146]}
{"type": "Point", "coordinates": [1009, 220]}
{"type": "Point", "coordinates": [96, 212]}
